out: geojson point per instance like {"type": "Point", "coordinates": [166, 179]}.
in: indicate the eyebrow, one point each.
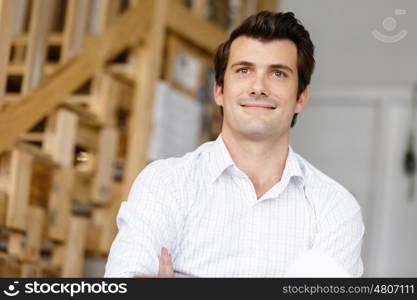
{"type": "Point", "coordinates": [273, 66]}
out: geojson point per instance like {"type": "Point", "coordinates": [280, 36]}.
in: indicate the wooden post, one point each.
{"type": "Point", "coordinates": [7, 15]}
{"type": "Point", "coordinates": [200, 8]}
{"type": "Point", "coordinates": [16, 245]}
{"type": "Point", "coordinates": [57, 259]}
{"type": "Point", "coordinates": [41, 183]}
{"type": "Point", "coordinates": [75, 27]}
{"type": "Point", "coordinates": [22, 7]}
{"type": "Point", "coordinates": [34, 233]}
{"type": "Point", "coordinates": [99, 18]}
{"type": "Point", "coordinates": [87, 135]}
{"type": "Point", "coordinates": [109, 93]}
{"type": "Point", "coordinates": [103, 228]}
{"type": "Point", "coordinates": [59, 138]}
{"type": "Point", "coordinates": [3, 207]}
{"type": "Point", "coordinates": [30, 270]}
{"type": "Point", "coordinates": [104, 12]}
{"type": "Point", "coordinates": [105, 98]}
{"type": "Point", "coordinates": [109, 230]}
{"type": "Point", "coordinates": [59, 204]}
{"type": "Point", "coordinates": [73, 260]}
{"type": "Point", "coordinates": [112, 11]}
{"type": "Point", "coordinates": [103, 179]}
{"type": "Point", "coordinates": [19, 189]}
{"type": "Point", "coordinates": [9, 266]}
{"type": "Point", "coordinates": [40, 24]}
{"type": "Point", "coordinates": [148, 74]}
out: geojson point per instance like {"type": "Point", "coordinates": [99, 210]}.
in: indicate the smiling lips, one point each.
{"type": "Point", "coordinates": [258, 106]}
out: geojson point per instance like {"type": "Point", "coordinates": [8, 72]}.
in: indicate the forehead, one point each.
{"type": "Point", "coordinates": [263, 52]}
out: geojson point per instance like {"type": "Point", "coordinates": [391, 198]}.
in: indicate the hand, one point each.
{"type": "Point", "coordinates": [166, 269]}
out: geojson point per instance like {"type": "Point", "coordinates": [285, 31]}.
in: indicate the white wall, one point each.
{"type": "Point", "coordinates": [346, 51]}
{"type": "Point", "coordinates": [359, 138]}
{"type": "Point", "coordinates": [351, 61]}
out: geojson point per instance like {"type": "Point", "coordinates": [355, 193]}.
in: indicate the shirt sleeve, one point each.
{"type": "Point", "coordinates": [340, 231]}
{"type": "Point", "coordinates": [147, 221]}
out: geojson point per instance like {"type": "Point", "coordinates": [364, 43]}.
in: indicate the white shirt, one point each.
{"type": "Point", "coordinates": [206, 212]}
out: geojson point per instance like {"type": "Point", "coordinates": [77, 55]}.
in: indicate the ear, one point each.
{"type": "Point", "coordinates": [218, 94]}
{"type": "Point", "coordinates": [302, 101]}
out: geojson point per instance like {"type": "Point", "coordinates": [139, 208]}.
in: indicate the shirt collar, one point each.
{"type": "Point", "coordinates": [220, 160]}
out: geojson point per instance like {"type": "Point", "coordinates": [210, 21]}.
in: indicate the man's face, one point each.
{"type": "Point", "coordinates": [259, 96]}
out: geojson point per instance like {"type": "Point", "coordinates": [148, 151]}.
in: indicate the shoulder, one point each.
{"type": "Point", "coordinates": [326, 194]}
{"type": "Point", "coordinates": [175, 170]}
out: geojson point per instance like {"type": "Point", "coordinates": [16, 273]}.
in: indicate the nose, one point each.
{"type": "Point", "coordinates": [258, 87]}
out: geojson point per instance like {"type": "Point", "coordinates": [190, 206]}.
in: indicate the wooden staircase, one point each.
{"type": "Point", "coordinates": [77, 81]}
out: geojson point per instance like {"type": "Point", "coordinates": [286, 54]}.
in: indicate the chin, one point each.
{"type": "Point", "coordinates": [257, 133]}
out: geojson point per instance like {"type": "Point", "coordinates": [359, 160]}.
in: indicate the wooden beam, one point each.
{"type": "Point", "coordinates": [36, 153]}
{"type": "Point", "coordinates": [128, 29]}
{"type": "Point", "coordinates": [204, 34]}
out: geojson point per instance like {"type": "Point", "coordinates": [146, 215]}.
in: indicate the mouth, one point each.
{"type": "Point", "coordinates": [258, 106]}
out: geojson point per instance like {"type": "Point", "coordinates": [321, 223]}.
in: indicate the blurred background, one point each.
{"type": "Point", "coordinates": [91, 91]}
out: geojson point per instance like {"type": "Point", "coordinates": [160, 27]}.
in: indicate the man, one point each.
{"type": "Point", "coordinates": [245, 205]}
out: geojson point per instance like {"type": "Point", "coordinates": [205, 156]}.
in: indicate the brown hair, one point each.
{"type": "Point", "coordinates": [267, 26]}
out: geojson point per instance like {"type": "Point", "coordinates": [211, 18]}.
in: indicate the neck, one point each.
{"type": "Point", "coordinates": [263, 161]}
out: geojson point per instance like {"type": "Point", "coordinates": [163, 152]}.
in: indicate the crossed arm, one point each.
{"type": "Point", "coordinates": [148, 222]}
{"type": "Point", "coordinates": [166, 269]}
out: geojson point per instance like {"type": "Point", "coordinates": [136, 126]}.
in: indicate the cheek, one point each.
{"type": "Point", "coordinates": [235, 87]}
{"type": "Point", "coordinates": [287, 88]}
{"type": "Point", "coordinates": [286, 93]}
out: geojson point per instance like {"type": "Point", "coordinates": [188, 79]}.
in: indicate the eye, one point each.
{"type": "Point", "coordinates": [280, 74]}
{"type": "Point", "coordinates": [243, 70]}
